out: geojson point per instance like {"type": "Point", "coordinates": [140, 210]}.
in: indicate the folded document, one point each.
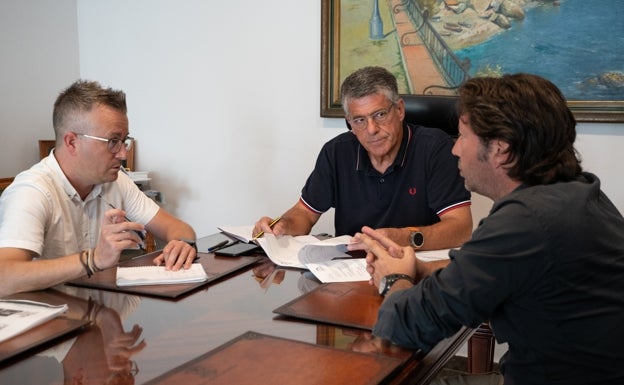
{"type": "Point", "coordinates": [327, 259]}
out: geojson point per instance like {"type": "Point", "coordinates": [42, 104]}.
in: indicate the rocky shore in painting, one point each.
{"type": "Point", "coordinates": [612, 80]}
{"type": "Point", "coordinates": [463, 23]}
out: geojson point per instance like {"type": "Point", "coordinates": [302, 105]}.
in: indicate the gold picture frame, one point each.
{"type": "Point", "coordinates": [332, 31]}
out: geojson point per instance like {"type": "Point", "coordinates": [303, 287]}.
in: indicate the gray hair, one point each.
{"type": "Point", "coordinates": [368, 81]}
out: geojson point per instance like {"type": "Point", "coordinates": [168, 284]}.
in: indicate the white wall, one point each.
{"type": "Point", "coordinates": [39, 57]}
{"type": "Point", "coordinates": [223, 97]}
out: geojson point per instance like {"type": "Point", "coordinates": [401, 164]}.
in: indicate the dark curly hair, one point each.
{"type": "Point", "coordinates": [530, 114]}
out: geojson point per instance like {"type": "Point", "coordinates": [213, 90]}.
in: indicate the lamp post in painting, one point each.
{"type": "Point", "coordinates": [375, 23]}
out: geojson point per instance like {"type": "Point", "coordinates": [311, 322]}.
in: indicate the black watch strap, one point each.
{"type": "Point", "coordinates": [389, 280]}
{"type": "Point", "coordinates": [190, 242]}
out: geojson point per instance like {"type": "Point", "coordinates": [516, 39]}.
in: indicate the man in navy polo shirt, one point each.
{"type": "Point", "coordinates": [383, 173]}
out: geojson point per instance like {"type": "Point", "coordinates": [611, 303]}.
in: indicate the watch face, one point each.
{"type": "Point", "coordinates": [417, 239]}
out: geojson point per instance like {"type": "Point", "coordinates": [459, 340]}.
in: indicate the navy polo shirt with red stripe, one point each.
{"type": "Point", "coordinates": [421, 184]}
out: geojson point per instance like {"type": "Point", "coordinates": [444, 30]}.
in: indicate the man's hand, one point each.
{"type": "Point", "coordinates": [264, 226]}
{"type": "Point", "coordinates": [176, 254]}
{"type": "Point", "coordinates": [384, 256]}
{"type": "Point", "coordinates": [116, 235]}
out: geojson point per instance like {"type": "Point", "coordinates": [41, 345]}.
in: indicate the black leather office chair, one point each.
{"type": "Point", "coordinates": [432, 111]}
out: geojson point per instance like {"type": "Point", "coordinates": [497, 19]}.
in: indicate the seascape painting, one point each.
{"type": "Point", "coordinates": [432, 46]}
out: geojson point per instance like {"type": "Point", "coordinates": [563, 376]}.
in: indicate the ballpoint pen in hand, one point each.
{"type": "Point", "coordinates": [261, 233]}
{"type": "Point", "coordinates": [140, 234]}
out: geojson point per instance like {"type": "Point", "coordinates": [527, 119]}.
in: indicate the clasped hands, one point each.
{"type": "Point", "coordinates": [118, 234]}
{"type": "Point", "coordinates": [384, 256]}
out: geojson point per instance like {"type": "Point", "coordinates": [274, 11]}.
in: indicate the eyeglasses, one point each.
{"type": "Point", "coordinates": [114, 144]}
{"type": "Point", "coordinates": [379, 117]}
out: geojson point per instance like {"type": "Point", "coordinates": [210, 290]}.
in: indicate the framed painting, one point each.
{"type": "Point", "coordinates": [432, 46]}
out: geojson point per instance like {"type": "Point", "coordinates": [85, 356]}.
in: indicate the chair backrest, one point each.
{"type": "Point", "coordinates": [45, 146]}
{"type": "Point", "coordinates": [432, 111]}
{"type": "Point", "coordinates": [4, 183]}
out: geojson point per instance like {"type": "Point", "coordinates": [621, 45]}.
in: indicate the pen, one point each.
{"type": "Point", "coordinates": [140, 234]}
{"type": "Point", "coordinates": [261, 233]}
{"type": "Point", "coordinates": [217, 246]}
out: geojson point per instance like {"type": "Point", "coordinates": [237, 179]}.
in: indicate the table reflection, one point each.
{"type": "Point", "coordinates": [101, 354]}
{"type": "Point", "coordinates": [135, 339]}
{"type": "Point", "coordinates": [267, 273]}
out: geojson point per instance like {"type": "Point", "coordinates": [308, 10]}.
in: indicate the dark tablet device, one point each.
{"type": "Point", "coordinates": [237, 249]}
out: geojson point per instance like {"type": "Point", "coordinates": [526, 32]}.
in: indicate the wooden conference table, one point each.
{"type": "Point", "coordinates": [134, 339]}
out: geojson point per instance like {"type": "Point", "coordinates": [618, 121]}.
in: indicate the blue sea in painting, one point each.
{"type": "Point", "coordinates": [567, 42]}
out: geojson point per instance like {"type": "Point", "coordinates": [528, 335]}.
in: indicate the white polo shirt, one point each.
{"type": "Point", "coordinates": [41, 211]}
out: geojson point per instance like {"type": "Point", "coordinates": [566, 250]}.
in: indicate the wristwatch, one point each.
{"type": "Point", "coordinates": [417, 240]}
{"type": "Point", "coordinates": [192, 243]}
{"type": "Point", "coordinates": [389, 280]}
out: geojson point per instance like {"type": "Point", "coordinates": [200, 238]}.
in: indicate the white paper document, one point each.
{"type": "Point", "coordinates": [158, 275]}
{"type": "Point", "coordinates": [18, 316]}
{"type": "Point", "coordinates": [242, 233]}
{"type": "Point", "coordinates": [433, 255]}
{"type": "Point", "coordinates": [326, 259]}
{"type": "Point", "coordinates": [342, 270]}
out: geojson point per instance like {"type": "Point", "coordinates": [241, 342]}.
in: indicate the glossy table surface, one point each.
{"type": "Point", "coordinates": [134, 339]}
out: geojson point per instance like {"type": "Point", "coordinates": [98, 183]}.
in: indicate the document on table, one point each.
{"type": "Point", "coordinates": [158, 275]}
{"type": "Point", "coordinates": [242, 233]}
{"type": "Point", "coordinates": [433, 255]}
{"type": "Point", "coordinates": [18, 316]}
{"type": "Point", "coordinates": [326, 259]}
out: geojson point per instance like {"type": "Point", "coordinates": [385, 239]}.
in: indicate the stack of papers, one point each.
{"type": "Point", "coordinates": [139, 176]}
{"type": "Point", "coordinates": [327, 259]}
